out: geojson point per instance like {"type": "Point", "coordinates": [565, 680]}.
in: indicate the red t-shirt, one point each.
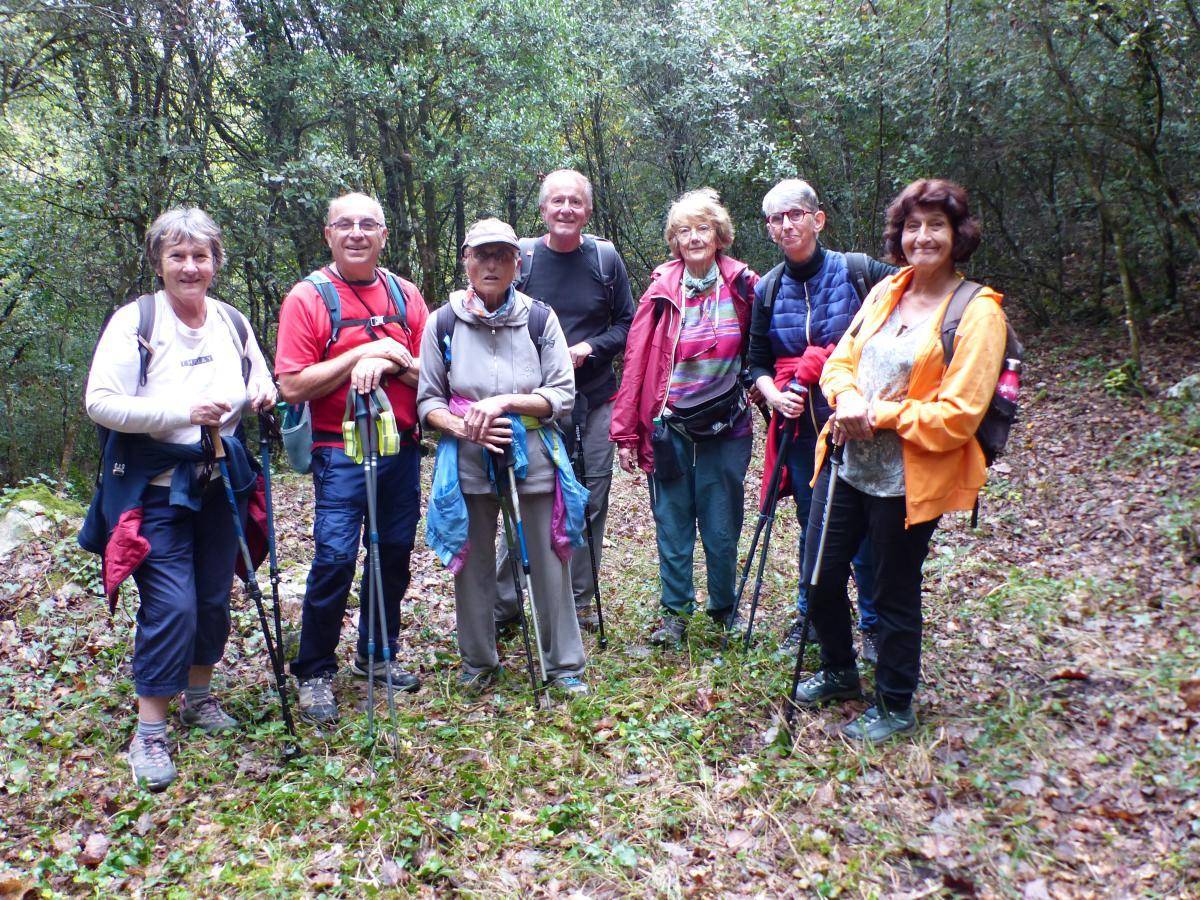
{"type": "Point", "coordinates": [304, 329]}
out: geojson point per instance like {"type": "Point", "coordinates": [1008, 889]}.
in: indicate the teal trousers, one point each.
{"type": "Point", "coordinates": [709, 495]}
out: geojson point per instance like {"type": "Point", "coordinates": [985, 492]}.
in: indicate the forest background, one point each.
{"type": "Point", "coordinates": [1060, 699]}
{"type": "Point", "coordinates": [1073, 124]}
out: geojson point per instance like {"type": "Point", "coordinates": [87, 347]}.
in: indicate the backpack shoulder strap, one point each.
{"type": "Point", "coordinates": [444, 321]}
{"type": "Point", "coordinates": [856, 268]}
{"type": "Point", "coordinates": [606, 260]}
{"type": "Point", "coordinates": [333, 305]}
{"type": "Point", "coordinates": [770, 283]}
{"type": "Point", "coordinates": [242, 327]}
{"type": "Point", "coordinates": [396, 293]}
{"type": "Point", "coordinates": [539, 315]}
{"type": "Point", "coordinates": [147, 307]}
{"type": "Point", "coordinates": [963, 295]}
{"type": "Point", "coordinates": [528, 246]}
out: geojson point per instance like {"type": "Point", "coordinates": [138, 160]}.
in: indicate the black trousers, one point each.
{"type": "Point", "coordinates": [899, 554]}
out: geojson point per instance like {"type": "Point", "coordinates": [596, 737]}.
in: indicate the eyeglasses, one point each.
{"type": "Point", "coordinates": [366, 226]}
{"type": "Point", "coordinates": [795, 216]}
{"type": "Point", "coordinates": [503, 253]}
{"type": "Point", "coordinates": [686, 232]}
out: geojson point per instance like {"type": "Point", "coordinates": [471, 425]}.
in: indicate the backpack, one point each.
{"type": "Point", "coordinates": [296, 426]}
{"type": "Point", "coordinates": [147, 312]}
{"type": "Point", "coordinates": [444, 321]}
{"type": "Point", "coordinates": [333, 305]}
{"type": "Point", "coordinates": [856, 268]}
{"type": "Point", "coordinates": [605, 273]}
{"type": "Point", "coordinates": [993, 431]}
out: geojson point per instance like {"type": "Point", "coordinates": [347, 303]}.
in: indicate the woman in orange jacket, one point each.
{"type": "Point", "coordinates": [908, 423]}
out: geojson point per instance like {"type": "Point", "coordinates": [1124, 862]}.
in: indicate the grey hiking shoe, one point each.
{"type": "Point", "coordinates": [879, 723]}
{"type": "Point", "coordinates": [586, 614]}
{"type": "Point", "coordinates": [825, 686]}
{"type": "Point", "coordinates": [317, 702]}
{"type": "Point", "coordinates": [570, 684]}
{"type": "Point", "coordinates": [402, 679]}
{"type": "Point", "coordinates": [150, 759]}
{"type": "Point", "coordinates": [475, 683]}
{"type": "Point", "coordinates": [206, 715]}
{"type": "Point", "coordinates": [792, 641]}
{"type": "Point", "coordinates": [670, 632]}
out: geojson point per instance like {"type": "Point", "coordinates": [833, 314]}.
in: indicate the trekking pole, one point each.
{"type": "Point", "coordinates": [766, 519]}
{"type": "Point", "coordinates": [523, 548]}
{"type": "Point", "coordinates": [268, 428]}
{"type": "Point", "coordinates": [835, 464]}
{"type": "Point", "coordinates": [499, 462]}
{"type": "Point", "coordinates": [212, 435]}
{"type": "Point", "coordinates": [365, 417]}
{"type": "Point", "coordinates": [772, 502]}
{"type": "Point", "coordinates": [581, 474]}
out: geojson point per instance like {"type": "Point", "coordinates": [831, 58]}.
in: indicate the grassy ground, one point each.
{"type": "Point", "coordinates": [1057, 754]}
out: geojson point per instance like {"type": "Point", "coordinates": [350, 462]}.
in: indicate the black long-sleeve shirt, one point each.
{"type": "Point", "coordinates": [587, 309]}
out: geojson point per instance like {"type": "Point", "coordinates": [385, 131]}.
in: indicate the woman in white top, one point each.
{"type": "Point", "coordinates": [165, 370]}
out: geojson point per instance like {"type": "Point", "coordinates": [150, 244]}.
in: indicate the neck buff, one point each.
{"type": "Point", "coordinates": [693, 286]}
{"type": "Point", "coordinates": [474, 304]}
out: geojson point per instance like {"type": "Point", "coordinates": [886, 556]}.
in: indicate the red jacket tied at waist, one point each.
{"type": "Point", "coordinates": [806, 369]}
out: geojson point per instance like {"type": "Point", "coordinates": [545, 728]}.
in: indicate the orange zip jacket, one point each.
{"type": "Point", "coordinates": [944, 466]}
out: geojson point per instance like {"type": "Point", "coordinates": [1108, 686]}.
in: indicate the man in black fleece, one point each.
{"type": "Point", "coordinates": [583, 279]}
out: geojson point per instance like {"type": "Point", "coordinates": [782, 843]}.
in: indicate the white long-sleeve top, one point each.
{"type": "Point", "coordinates": [188, 365]}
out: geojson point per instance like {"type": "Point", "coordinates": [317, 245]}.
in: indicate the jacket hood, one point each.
{"type": "Point", "coordinates": [516, 316]}
{"type": "Point", "coordinates": [665, 281]}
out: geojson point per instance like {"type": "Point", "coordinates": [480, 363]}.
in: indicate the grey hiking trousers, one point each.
{"type": "Point", "coordinates": [475, 589]}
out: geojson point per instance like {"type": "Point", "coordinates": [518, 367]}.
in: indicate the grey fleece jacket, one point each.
{"type": "Point", "coordinates": [497, 357]}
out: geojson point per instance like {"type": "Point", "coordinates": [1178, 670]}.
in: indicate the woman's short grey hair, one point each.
{"type": "Point", "coordinates": [183, 223]}
{"type": "Point", "coordinates": [791, 193]}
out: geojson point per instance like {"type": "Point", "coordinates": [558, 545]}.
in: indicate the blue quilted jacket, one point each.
{"type": "Point", "coordinates": [814, 307]}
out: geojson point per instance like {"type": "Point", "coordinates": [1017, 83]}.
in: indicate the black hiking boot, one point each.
{"type": "Point", "coordinates": [870, 650]}
{"type": "Point", "coordinates": [826, 686]}
{"type": "Point", "coordinates": [879, 723]}
{"type": "Point", "coordinates": [792, 640]}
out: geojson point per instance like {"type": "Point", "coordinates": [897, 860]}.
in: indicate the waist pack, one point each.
{"type": "Point", "coordinates": [710, 412]}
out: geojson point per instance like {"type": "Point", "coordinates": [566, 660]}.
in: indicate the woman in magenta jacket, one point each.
{"type": "Point", "coordinates": [681, 413]}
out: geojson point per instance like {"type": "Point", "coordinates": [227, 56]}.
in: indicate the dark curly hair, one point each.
{"type": "Point", "coordinates": [931, 193]}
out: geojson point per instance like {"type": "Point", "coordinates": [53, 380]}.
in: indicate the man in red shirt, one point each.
{"type": "Point", "coordinates": [376, 344]}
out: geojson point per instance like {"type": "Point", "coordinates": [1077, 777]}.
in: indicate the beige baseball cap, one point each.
{"type": "Point", "coordinates": [490, 231]}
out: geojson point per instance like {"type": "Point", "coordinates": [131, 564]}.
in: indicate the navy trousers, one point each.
{"type": "Point", "coordinates": [337, 532]}
{"type": "Point", "coordinates": [183, 589]}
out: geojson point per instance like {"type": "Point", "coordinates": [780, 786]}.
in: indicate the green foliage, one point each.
{"type": "Point", "coordinates": [1072, 123]}
{"type": "Point", "coordinates": [1123, 379]}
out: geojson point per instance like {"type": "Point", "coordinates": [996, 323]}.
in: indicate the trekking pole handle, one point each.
{"type": "Point", "coordinates": [837, 452]}
{"type": "Point", "coordinates": [214, 432]}
{"type": "Point", "coordinates": [268, 424]}
{"type": "Point", "coordinates": [502, 459]}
